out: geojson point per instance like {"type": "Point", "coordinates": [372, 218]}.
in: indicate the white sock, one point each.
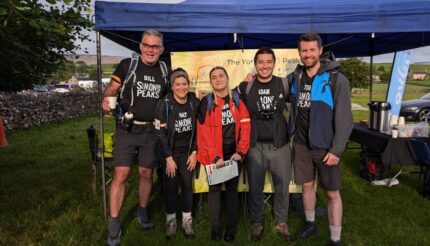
{"type": "Point", "coordinates": [310, 215]}
{"type": "Point", "coordinates": [170, 217]}
{"type": "Point", "coordinates": [186, 216]}
{"type": "Point", "coordinates": [335, 233]}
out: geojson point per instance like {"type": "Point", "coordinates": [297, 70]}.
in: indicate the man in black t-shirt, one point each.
{"type": "Point", "coordinates": [321, 121]}
{"type": "Point", "coordinates": [270, 150]}
{"type": "Point", "coordinates": [140, 94]}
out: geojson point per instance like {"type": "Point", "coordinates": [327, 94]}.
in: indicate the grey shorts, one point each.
{"type": "Point", "coordinates": [140, 141]}
{"type": "Point", "coordinates": [306, 162]}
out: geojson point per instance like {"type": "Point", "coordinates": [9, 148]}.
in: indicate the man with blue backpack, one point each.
{"type": "Point", "coordinates": [321, 122]}
{"type": "Point", "coordinates": [141, 82]}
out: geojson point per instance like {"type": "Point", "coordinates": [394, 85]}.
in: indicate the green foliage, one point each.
{"type": "Point", "coordinates": [356, 71]}
{"type": "Point", "coordinates": [385, 77]}
{"type": "Point", "coordinates": [381, 69]}
{"type": "Point", "coordinates": [64, 72]}
{"type": "Point", "coordinates": [34, 37]}
{"type": "Point", "coordinates": [93, 73]}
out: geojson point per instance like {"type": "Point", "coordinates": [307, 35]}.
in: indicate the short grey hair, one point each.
{"type": "Point", "coordinates": [153, 32]}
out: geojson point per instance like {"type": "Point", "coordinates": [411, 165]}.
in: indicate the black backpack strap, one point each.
{"type": "Point", "coordinates": [333, 79]}
{"type": "Point", "coordinates": [286, 84]}
{"type": "Point", "coordinates": [249, 86]}
{"type": "Point", "coordinates": [164, 72]}
{"type": "Point", "coordinates": [236, 98]}
{"type": "Point", "coordinates": [130, 73]}
{"type": "Point", "coordinates": [168, 106]}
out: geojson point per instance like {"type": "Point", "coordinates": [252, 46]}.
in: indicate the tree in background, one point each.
{"type": "Point", "coordinates": [82, 67]}
{"type": "Point", "coordinates": [356, 71]}
{"type": "Point", "coordinates": [381, 69]}
{"type": "Point", "coordinates": [35, 36]}
{"type": "Point", "coordinates": [385, 77]}
{"type": "Point", "coordinates": [64, 72]}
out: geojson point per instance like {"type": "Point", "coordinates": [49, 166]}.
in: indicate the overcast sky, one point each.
{"type": "Point", "coordinates": [110, 48]}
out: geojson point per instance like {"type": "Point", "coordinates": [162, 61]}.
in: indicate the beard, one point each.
{"type": "Point", "coordinates": [313, 64]}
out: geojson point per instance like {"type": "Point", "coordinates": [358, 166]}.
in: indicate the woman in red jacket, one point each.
{"type": "Point", "coordinates": [223, 133]}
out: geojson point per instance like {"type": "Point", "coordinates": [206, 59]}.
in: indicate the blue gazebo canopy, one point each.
{"type": "Point", "coordinates": [348, 28]}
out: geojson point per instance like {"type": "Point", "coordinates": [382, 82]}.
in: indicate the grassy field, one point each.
{"type": "Point", "coordinates": [108, 69]}
{"type": "Point", "coordinates": [46, 199]}
{"type": "Point", "coordinates": [413, 67]}
{"type": "Point", "coordinates": [413, 89]}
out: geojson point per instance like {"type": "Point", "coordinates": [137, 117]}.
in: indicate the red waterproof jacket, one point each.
{"type": "Point", "coordinates": [209, 134]}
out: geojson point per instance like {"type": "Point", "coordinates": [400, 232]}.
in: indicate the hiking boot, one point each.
{"type": "Point", "coordinates": [171, 228]}
{"type": "Point", "coordinates": [230, 232]}
{"type": "Point", "coordinates": [334, 243]}
{"type": "Point", "coordinates": [187, 227]}
{"type": "Point", "coordinates": [146, 225]}
{"type": "Point", "coordinates": [114, 240]}
{"type": "Point", "coordinates": [309, 229]}
{"type": "Point", "coordinates": [216, 232]}
{"type": "Point", "coordinates": [282, 230]}
{"type": "Point", "coordinates": [228, 237]}
{"type": "Point", "coordinates": [256, 231]}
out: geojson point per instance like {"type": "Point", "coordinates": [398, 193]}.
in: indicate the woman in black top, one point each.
{"type": "Point", "coordinates": [175, 123]}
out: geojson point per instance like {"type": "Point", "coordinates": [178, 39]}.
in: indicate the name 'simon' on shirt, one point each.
{"type": "Point", "coordinates": [147, 88]}
{"type": "Point", "coordinates": [183, 124]}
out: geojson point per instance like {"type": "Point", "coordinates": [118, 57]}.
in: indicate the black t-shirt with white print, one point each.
{"type": "Point", "coordinates": [303, 109]}
{"type": "Point", "coordinates": [262, 106]}
{"type": "Point", "coordinates": [228, 128]}
{"type": "Point", "coordinates": [183, 127]}
{"type": "Point", "coordinates": [149, 86]}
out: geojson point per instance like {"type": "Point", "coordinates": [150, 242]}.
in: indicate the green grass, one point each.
{"type": "Point", "coordinates": [411, 85]}
{"type": "Point", "coordinates": [46, 199]}
{"type": "Point", "coordinates": [414, 89]}
{"type": "Point", "coordinates": [108, 69]}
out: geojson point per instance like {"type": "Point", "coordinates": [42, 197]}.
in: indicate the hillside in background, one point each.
{"type": "Point", "coordinates": [413, 67]}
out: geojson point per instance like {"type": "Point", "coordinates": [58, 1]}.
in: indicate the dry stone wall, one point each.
{"type": "Point", "coordinates": [27, 110]}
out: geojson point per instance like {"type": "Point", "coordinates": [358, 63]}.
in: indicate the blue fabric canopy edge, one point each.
{"type": "Point", "coordinates": [345, 26]}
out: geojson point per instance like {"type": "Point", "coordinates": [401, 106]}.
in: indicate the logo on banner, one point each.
{"type": "Point", "coordinates": [398, 80]}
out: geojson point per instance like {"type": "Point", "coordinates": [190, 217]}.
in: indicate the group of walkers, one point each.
{"type": "Point", "coordinates": [304, 119]}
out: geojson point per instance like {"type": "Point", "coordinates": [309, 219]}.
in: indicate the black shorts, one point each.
{"type": "Point", "coordinates": [141, 140]}
{"type": "Point", "coordinates": [307, 161]}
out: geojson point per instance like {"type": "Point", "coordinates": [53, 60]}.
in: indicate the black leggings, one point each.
{"type": "Point", "coordinates": [214, 200]}
{"type": "Point", "coordinates": [184, 177]}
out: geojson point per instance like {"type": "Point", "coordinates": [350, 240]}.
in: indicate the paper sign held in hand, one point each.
{"type": "Point", "coordinates": [222, 174]}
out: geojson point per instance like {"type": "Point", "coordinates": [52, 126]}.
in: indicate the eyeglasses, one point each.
{"type": "Point", "coordinates": [154, 47]}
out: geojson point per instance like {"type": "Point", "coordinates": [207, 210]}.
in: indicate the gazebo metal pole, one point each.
{"type": "Point", "coordinates": [101, 134]}
{"type": "Point", "coordinates": [372, 50]}
{"type": "Point", "coordinates": [371, 79]}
